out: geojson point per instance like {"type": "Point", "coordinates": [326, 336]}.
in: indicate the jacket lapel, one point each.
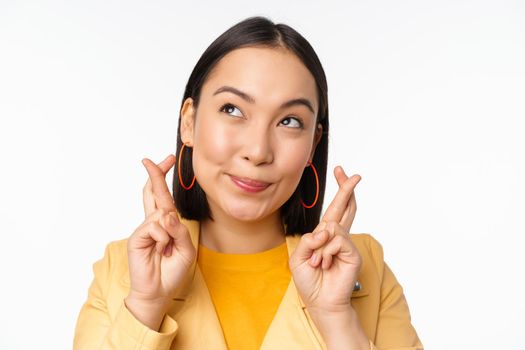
{"type": "Point", "coordinates": [199, 325]}
{"type": "Point", "coordinates": [193, 309]}
{"type": "Point", "coordinates": [291, 324]}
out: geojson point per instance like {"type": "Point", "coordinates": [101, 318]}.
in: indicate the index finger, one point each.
{"type": "Point", "coordinates": [337, 207]}
{"type": "Point", "coordinates": [157, 180]}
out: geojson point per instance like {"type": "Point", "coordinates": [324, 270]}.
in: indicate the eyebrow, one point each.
{"type": "Point", "coordinates": [248, 98]}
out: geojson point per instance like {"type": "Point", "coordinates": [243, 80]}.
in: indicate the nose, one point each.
{"type": "Point", "coordinates": [257, 145]}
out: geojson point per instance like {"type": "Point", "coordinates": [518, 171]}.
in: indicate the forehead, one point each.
{"type": "Point", "coordinates": [270, 75]}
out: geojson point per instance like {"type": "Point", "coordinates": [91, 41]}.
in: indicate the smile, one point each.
{"type": "Point", "coordinates": [249, 185]}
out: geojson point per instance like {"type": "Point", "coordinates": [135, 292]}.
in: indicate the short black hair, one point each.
{"type": "Point", "coordinates": [258, 31]}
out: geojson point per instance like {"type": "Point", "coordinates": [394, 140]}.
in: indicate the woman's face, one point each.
{"type": "Point", "coordinates": [244, 129]}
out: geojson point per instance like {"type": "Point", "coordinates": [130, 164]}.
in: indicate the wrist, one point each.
{"type": "Point", "coordinates": [155, 302]}
{"type": "Point", "coordinates": [323, 319]}
{"type": "Point", "coordinates": [149, 312]}
{"type": "Point", "coordinates": [340, 329]}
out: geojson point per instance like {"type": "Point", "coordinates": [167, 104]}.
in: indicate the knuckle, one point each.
{"type": "Point", "coordinates": [311, 239]}
{"type": "Point", "coordinates": [154, 215]}
{"type": "Point", "coordinates": [152, 226]}
{"type": "Point", "coordinates": [164, 238]}
{"type": "Point", "coordinates": [331, 227]}
{"type": "Point", "coordinates": [308, 236]}
{"type": "Point", "coordinates": [335, 243]}
{"type": "Point", "coordinates": [165, 221]}
{"type": "Point", "coordinates": [157, 214]}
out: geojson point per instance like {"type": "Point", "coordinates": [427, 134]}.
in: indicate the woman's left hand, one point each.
{"type": "Point", "coordinates": [326, 263]}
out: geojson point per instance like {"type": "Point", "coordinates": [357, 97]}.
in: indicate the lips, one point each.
{"type": "Point", "coordinates": [248, 184]}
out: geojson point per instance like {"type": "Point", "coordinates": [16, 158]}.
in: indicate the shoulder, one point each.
{"type": "Point", "coordinates": [115, 260]}
{"type": "Point", "coordinates": [366, 243]}
{"type": "Point", "coordinates": [372, 255]}
{"type": "Point", "coordinates": [111, 273]}
{"type": "Point", "coordinates": [116, 250]}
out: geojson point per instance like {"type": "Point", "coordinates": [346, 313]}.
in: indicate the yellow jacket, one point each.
{"type": "Point", "coordinates": [192, 323]}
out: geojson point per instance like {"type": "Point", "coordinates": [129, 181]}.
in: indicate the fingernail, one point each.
{"type": "Point", "coordinates": [318, 234]}
{"type": "Point", "coordinates": [314, 257]}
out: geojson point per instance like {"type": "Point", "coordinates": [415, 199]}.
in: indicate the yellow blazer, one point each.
{"type": "Point", "coordinates": [192, 323]}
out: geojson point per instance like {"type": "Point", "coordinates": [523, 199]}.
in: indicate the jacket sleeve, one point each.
{"type": "Point", "coordinates": [95, 328]}
{"type": "Point", "coordinates": [394, 327]}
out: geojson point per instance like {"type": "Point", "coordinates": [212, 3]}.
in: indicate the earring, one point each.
{"type": "Point", "coordinates": [180, 177]}
{"type": "Point", "coordinates": [316, 188]}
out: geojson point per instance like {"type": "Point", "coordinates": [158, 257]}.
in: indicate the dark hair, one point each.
{"type": "Point", "coordinates": [259, 31]}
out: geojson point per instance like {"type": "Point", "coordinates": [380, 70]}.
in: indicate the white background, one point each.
{"type": "Point", "coordinates": [426, 104]}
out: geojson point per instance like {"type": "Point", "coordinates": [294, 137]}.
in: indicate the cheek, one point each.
{"type": "Point", "coordinates": [294, 163]}
{"type": "Point", "coordinates": [214, 146]}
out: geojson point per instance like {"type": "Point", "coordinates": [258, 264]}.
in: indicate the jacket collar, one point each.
{"type": "Point", "coordinates": [290, 325]}
{"type": "Point", "coordinates": [194, 230]}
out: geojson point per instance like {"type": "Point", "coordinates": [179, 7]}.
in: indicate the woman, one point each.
{"type": "Point", "coordinates": [240, 257]}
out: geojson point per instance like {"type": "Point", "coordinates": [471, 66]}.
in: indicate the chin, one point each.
{"type": "Point", "coordinates": [246, 212]}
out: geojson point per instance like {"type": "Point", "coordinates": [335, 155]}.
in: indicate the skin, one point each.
{"type": "Point", "coordinates": [249, 223]}
{"type": "Point", "coordinates": [257, 140]}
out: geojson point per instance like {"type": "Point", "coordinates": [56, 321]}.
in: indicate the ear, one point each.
{"type": "Point", "coordinates": [317, 138]}
{"type": "Point", "coordinates": [187, 115]}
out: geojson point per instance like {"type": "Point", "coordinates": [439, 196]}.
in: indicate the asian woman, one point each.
{"type": "Point", "coordinates": [240, 256]}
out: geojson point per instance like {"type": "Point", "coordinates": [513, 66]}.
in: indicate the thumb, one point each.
{"type": "Point", "coordinates": [310, 242]}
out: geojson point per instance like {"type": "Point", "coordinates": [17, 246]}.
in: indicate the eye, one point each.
{"type": "Point", "coordinates": [229, 109]}
{"type": "Point", "coordinates": [293, 121]}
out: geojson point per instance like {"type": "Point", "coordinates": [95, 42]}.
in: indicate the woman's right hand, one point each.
{"type": "Point", "coordinates": [160, 251]}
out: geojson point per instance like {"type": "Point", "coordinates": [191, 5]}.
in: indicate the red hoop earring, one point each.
{"type": "Point", "coordinates": [180, 177]}
{"type": "Point", "coordinates": [316, 188]}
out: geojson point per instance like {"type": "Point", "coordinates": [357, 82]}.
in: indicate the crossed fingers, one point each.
{"type": "Point", "coordinates": [343, 206]}
{"type": "Point", "coordinates": [337, 221]}
{"type": "Point", "coordinates": [337, 243]}
{"type": "Point", "coordinates": [156, 194]}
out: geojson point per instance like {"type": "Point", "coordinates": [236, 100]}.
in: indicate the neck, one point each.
{"type": "Point", "coordinates": [229, 235]}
